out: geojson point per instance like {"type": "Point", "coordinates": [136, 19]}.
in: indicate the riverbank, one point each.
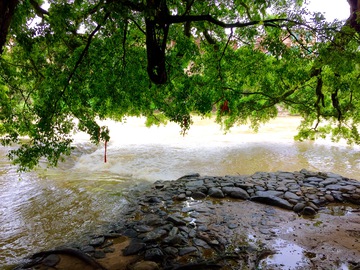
{"type": "Point", "coordinates": [281, 220]}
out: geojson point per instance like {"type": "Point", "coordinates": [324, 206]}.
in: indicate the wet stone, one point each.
{"type": "Point", "coordinates": [51, 260]}
{"type": "Point", "coordinates": [272, 200]}
{"type": "Point", "coordinates": [187, 250]}
{"type": "Point", "coordinates": [154, 235]}
{"type": "Point", "coordinates": [308, 211]}
{"type": "Point", "coordinates": [143, 228]}
{"type": "Point", "coordinates": [216, 193]}
{"type": "Point", "coordinates": [333, 187]}
{"type": "Point", "coordinates": [347, 188]}
{"type": "Point", "coordinates": [87, 249]}
{"type": "Point", "coordinates": [236, 192]}
{"type": "Point", "coordinates": [200, 243]}
{"type": "Point", "coordinates": [154, 254]}
{"type": "Point", "coordinates": [290, 195]}
{"type": "Point", "coordinates": [99, 254]}
{"type": "Point", "coordinates": [198, 195]}
{"type": "Point", "coordinates": [134, 248]}
{"type": "Point", "coordinates": [196, 184]}
{"type": "Point", "coordinates": [175, 220]}
{"type": "Point", "coordinates": [181, 197]}
{"type": "Point", "coordinates": [299, 207]}
{"type": "Point", "coordinates": [313, 179]}
{"type": "Point", "coordinates": [329, 181]}
{"type": "Point", "coordinates": [269, 193]}
{"type": "Point", "coordinates": [232, 225]}
{"type": "Point", "coordinates": [172, 251]}
{"type": "Point", "coordinates": [97, 241]}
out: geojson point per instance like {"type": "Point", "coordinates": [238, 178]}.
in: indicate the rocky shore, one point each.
{"type": "Point", "coordinates": [279, 220]}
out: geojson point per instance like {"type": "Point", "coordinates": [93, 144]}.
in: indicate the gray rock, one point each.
{"type": "Point", "coordinates": [329, 198]}
{"type": "Point", "coordinates": [175, 220]}
{"type": "Point", "coordinates": [187, 250]}
{"type": "Point", "coordinates": [154, 254]}
{"type": "Point", "coordinates": [347, 188]}
{"type": "Point", "coordinates": [99, 254]}
{"type": "Point", "coordinates": [329, 181]}
{"type": "Point", "coordinates": [290, 195]}
{"type": "Point", "coordinates": [308, 211]}
{"type": "Point", "coordinates": [313, 179]}
{"type": "Point", "coordinates": [191, 175]}
{"type": "Point", "coordinates": [154, 235]}
{"type": "Point", "coordinates": [51, 260]}
{"type": "Point", "coordinates": [143, 228]}
{"type": "Point", "coordinates": [87, 249]}
{"type": "Point", "coordinates": [272, 200]}
{"type": "Point", "coordinates": [172, 251]}
{"type": "Point", "coordinates": [176, 240]}
{"type": "Point", "coordinates": [269, 193]}
{"type": "Point", "coordinates": [333, 187]}
{"type": "Point", "coordinates": [200, 243]}
{"type": "Point", "coordinates": [236, 192]}
{"type": "Point", "coordinates": [133, 248]}
{"type": "Point", "coordinates": [299, 207]}
{"type": "Point", "coordinates": [194, 184]}
{"type": "Point", "coordinates": [216, 193]}
{"type": "Point", "coordinates": [97, 241]}
{"type": "Point", "coordinates": [198, 195]}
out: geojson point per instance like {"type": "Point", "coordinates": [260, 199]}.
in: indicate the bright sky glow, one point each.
{"type": "Point", "coordinates": [332, 9]}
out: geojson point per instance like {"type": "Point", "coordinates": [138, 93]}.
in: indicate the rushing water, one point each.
{"type": "Point", "coordinates": [51, 207]}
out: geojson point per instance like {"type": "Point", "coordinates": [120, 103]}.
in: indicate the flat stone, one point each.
{"type": "Point", "coordinates": [308, 211]}
{"type": "Point", "coordinates": [333, 187]}
{"type": "Point", "coordinates": [273, 200]}
{"type": "Point", "coordinates": [133, 248]}
{"type": "Point", "coordinates": [269, 193]}
{"type": "Point", "coordinates": [175, 220]}
{"type": "Point", "coordinates": [216, 193]}
{"type": "Point", "coordinates": [200, 243]}
{"type": "Point", "coordinates": [191, 175]}
{"type": "Point", "coordinates": [198, 195]}
{"type": "Point", "coordinates": [154, 254]}
{"type": "Point", "coordinates": [329, 181]}
{"type": "Point", "coordinates": [187, 250]}
{"type": "Point", "coordinates": [299, 207]}
{"type": "Point", "coordinates": [51, 260]}
{"type": "Point", "coordinates": [172, 251]}
{"type": "Point", "coordinates": [88, 249]}
{"type": "Point", "coordinates": [196, 183]}
{"type": "Point", "coordinates": [329, 198]}
{"type": "Point", "coordinates": [236, 192]}
{"type": "Point", "coordinates": [154, 235]}
{"type": "Point", "coordinates": [97, 241]}
{"type": "Point", "coordinates": [313, 179]}
{"type": "Point", "coordinates": [99, 254]}
{"type": "Point", "coordinates": [348, 188]}
{"type": "Point", "coordinates": [143, 228]}
{"type": "Point", "coordinates": [290, 195]}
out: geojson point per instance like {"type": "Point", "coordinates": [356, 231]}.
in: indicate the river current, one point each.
{"type": "Point", "coordinates": [50, 207]}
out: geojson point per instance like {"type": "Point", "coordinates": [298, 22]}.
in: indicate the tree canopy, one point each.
{"type": "Point", "coordinates": [167, 59]}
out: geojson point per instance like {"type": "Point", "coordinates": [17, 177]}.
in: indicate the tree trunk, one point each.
{"type": "Point", "coordinates": [7, 10]}
{"type": "Point", "coordinates": [156, 37]}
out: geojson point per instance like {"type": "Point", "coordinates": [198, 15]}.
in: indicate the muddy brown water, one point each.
{"type": "Point", "coordinates": [51, 207]}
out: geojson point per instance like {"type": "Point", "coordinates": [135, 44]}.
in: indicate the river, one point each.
{"type": "Point", "coordinates": [49, 207]}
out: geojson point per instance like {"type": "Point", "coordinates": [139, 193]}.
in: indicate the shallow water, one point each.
{"type": "Point", "coordinates": [51, 207]}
